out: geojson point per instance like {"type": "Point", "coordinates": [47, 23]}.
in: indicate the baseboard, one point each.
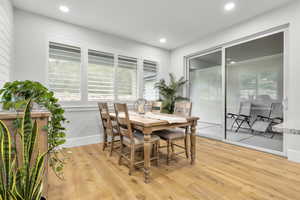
{"type": "Point", "coordinates": [293, 155]}
{"type": "Point", "coordinates": [81, 141]}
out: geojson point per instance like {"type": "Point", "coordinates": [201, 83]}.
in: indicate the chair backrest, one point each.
{"type": "Point", "coordinates": [183, 108]}
{"type": "Point", "coordinates": [123, 121]}
{"type": "Point", "coordinates": [276, 110]}
{"type": "Point", "coordinates": [105, 118]}
{"type": "Point", "coordinates": [245, 108]}
{"type": "Point", "coordinates": [156, 106]}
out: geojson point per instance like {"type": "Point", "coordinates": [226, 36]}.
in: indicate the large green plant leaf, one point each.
{"type": "Point", "coordinates": [15, 95]}
{"type": "Point", "coordinates": [6, 161]}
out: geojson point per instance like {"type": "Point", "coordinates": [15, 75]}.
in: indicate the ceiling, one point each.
{"type": "Point", "coordinates": [146, 21]}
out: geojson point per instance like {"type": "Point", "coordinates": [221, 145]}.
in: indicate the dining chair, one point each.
{"type": "Point", "coordinates": [183, 109]}
{"type": "Point", "coordinates": [156, 107]}
{"type": "Point", "coordinates": [110, 128]}
{"type": "Point", "coordinates": [134, 140]}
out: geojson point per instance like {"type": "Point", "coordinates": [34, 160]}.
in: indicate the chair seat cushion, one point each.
{"type": "Point", "coordinates": [260, 126]}
{"type": "Point", "coordinates": [139, 138]}
{"type": "Point", "coordinates": [171, 134]}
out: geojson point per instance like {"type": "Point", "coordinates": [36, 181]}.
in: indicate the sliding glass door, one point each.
{"type": "Point", "coordinates": [205, 92]}
{"type": "Point", "coordinates": [254, 92]}
{"type": "Point", "coordinates": [237, 92]}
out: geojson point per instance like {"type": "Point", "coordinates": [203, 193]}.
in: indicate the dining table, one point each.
{"type": "Point", "coordinates": [149, 123]}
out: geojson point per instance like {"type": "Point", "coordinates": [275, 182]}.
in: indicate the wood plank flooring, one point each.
{"type": "Point", "coordinates": [222, 172]}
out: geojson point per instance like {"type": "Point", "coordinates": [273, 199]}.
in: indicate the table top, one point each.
{"type": "Point", "coordinates": [142, 120]}
{"type": "Point", "coordinates": [13, 115]}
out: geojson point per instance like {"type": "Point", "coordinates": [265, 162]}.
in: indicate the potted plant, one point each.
{"type": "Point", "coordinates": [21, 168]}
{"type": "Point", "coordinates": [15, 95]}
{"type": "Point", "coordinates": [170, 92]}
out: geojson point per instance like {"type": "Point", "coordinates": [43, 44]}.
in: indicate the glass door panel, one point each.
{"type": "Point", "coordinates": [205, 91]}
{"type": "Point", "coordinates": [254, 92]}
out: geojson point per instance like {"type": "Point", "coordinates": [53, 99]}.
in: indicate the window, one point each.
{"type": "Point", "coordinates": [100, 76]}
{"type": "Point", "coordinates": [64, 71]}
{"type": "Point", "coordinates": [107, 76]}
{"type": "Point", "coordinates": [126, 78]}
{"type": "Point", "coordinates": [265, 83]}
{"type": "Point", "coordinates": [4, 71]}
{"type": "Point", "coordinates": [150, 78]}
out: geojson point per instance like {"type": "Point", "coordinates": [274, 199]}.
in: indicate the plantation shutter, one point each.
{"type": "Point", "coordinates": [150, 78]}
{"type": "Point", "coordinates": [100, 76]}
{"type": "Point", "coordinates": [64, 71]}
{"type": "Point", "coordinates": [127, 78]}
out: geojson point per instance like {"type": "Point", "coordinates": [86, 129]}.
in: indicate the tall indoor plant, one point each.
{"type": "Point", "coordinates": [15, 95]}
{"type": "Point", "coordinates": [170, 93]}
{"type": "Point", "coordinates": [21, 168]}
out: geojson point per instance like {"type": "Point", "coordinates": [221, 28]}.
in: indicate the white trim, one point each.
{"type": "Point", "coordinates": [293, 155]}
{"type": "Point", "coordinates": [81, 141]}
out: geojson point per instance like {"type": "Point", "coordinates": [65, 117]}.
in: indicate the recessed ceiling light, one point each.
{"type": "Point", "coordinates": [64, 9]}
{"type": "Point", "coordinates": [232, 62]}
{"type": "Point", "coordinates": [162, 40]}
{"type": "Point", "coordinates": [229, 6]}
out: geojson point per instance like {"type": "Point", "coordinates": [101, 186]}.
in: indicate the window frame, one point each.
{"type": "Point", "coordinates": [71, 43]}
{"type": "Point", "coordinates": [84, 48]}
{"type": "Point", "coordinates": [142, 77]}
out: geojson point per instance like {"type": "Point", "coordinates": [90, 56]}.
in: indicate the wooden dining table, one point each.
{"type": "Point", "coordinates": [149, 125]}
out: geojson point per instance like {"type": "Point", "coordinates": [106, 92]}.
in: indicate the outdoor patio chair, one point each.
{"type": "Point", "coordinates": [244, 116]}
{"type": "Point", "coordinates": [263, 124]}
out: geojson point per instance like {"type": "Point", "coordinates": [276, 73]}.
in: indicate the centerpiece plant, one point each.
{"type": "Point", "coordinates": [15, 95]}
{"type": "Point", "coordinates": [21, 166]}
{"type": "Point", "coordinates": [170, 93]}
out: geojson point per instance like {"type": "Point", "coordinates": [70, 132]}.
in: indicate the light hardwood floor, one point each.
{"type": "Point", "coordinates": [222, 172]}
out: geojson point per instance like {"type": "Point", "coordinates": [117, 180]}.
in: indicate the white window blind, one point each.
{"type": "Point", "coordinates": [126, 78]}
{"type": "Point", "coordinates": [64, 71]}
{"type": "Point", "coordinates": [100, 75]}
{"type": "Point", "coordinates": [150, 78]}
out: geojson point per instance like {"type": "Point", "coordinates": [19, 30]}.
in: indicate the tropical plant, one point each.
{"type": "Point", "coordinates": [170, 92]}
{"type": "Point", "coordinates": [21, 168]}
{"type": "Point", "coordinates": [15, 95]}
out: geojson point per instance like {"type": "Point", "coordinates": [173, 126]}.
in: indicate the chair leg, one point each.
{"type": "Point", "coordinates": [233, 124]}
{"type": "Point", "coordinates": [121, 150]}
{"type": "Point", "coordinates": [239, 126]}
{"type": "Point", "coordinates": [172, 146]}
{"type": "Point", "coordinates": [104, 141]}
{"type": "Point", "coordinates": [132, 159]}
{"type": "Point", "coordinates": [112, 145]}
{"type": "Point", "coordinates": [186, 147]}
{"type": "Point", "coordinates": [157, 153]}
{"type": "Point", "coordinates": [168, 151]}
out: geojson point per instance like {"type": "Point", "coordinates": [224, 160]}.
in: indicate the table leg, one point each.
{"type": "Point", "coordinates": [147, 152]}
{"type": "Point", "coordinates": [193, 143]}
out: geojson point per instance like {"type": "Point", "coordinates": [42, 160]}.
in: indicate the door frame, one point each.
{"type": "Point", "coordinates": [285, 30]}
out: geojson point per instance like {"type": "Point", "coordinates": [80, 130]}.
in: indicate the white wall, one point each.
{"type": "Point", "coordinates": [6, 40]}
{"type": "Point", "coordinates": [289, 14]}
{"type": "Point", "coordinates": [31, 35]}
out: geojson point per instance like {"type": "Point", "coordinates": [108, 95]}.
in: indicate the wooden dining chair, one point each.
{"type": "Point", "coordinates": [171, 136]}
{"type": "Point", "coordinates": [134, 140]}
{"type": "Point", "coordinates": [110, 128]}
{"type": "Point", "coordinates": [156, 107]}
